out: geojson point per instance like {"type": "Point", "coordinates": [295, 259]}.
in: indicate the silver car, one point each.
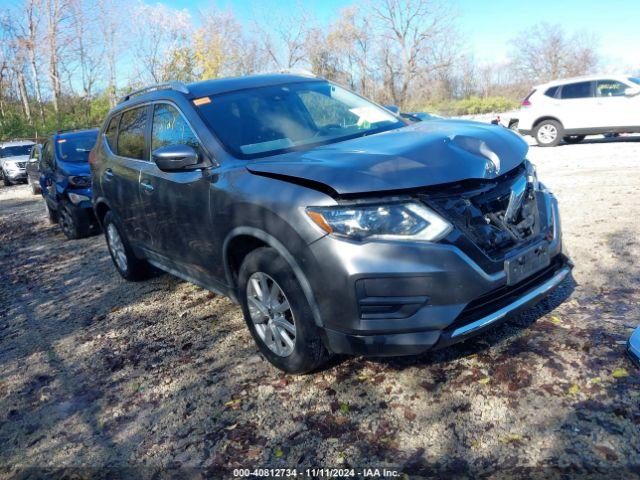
{"type": "Point", "coordinates": [13, 161]}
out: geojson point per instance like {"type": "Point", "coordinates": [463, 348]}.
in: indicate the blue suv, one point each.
{"type": "Point", "coordinates": [65, 181]}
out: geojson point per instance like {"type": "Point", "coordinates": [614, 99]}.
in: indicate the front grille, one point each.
{"type": "Point", "coordinates": [21, 164]}
{"type": "Point", "coordinates": [477, 210]}
{"type": "Point", "coordinates": [501, 297]}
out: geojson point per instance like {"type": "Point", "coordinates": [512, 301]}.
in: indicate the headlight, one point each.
{"type": "Point", "coordinates": [11, 167]}
{"type": "Point", "coordinates": [532, 175]}
{"type": "Point", "coordinates": [76, 199]}
{"type": "Point", "coordinates": [80, 181]}
{"type": "Point", "coordinates": [399, 221]}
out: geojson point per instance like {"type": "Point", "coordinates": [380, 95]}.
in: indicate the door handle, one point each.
{"type": "Point", "coordinates": [148, 188]}
{"type": "Point", "coordinates": [108, 174]}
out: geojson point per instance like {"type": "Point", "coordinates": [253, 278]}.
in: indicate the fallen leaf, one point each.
{"type": "Point", "coordinates": [595, 380]}
{"type": "Point", "coordinates": [484, 380]}
{"type": "Point", "coordinates": [344, 408]}
{"type": "Point", "coordinates": [512, 438]}
{"type": "Point", "coordinates": [620, 373]}
{"type": "Point", "coordinates": [574, 389]}
{"type": "Point", "coordinates": [278, 452]}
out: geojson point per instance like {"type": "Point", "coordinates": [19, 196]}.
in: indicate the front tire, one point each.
{"type": "Point", "coordinates": [74, 223]}
{"type": "Point", "coordinates": [128, 265]}
{"type": "Point", "coordinates": [277, 313]}
{"type": "Point", "coordinates": [7, 182]}
{"type": "Point", "coordinates": [548, 133]}
{"type": "Point", "coordinates": [52, 215]}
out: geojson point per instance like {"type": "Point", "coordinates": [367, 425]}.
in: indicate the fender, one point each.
{"type": "Point", "coordinates": [281, 249]}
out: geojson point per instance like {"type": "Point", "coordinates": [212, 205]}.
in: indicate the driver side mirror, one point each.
{"type": "Point", "coordinates": [175, 158]}
{"type": "Point", "coordinates": [632, 91]}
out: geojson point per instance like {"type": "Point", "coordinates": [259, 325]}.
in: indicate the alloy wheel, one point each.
{"type": "Point", "coordinates": [271, 314]}
{"type": "Point", "coordinates": [116, 247]}
{"type": "Point", "coordinates": [547, 133]}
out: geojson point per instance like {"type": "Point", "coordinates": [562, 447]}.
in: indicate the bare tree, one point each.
{"type": "Point", "coordinates": [546, 52]}
{"type": "Point", "coordinates": [284, 37]}
{"type": "Point", "coordinates": [54, 12]}
{"type": "Point", "coordinates": [416, 40]}
{"type": "Point", "coordinates": [32, 38]}
{"type": "Point", "coordinates": [112, 34]}
{"type": "Point", "coordinates": [163, 31]}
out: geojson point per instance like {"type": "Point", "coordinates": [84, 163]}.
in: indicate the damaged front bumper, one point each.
{"type": "Point", "coordinates": [633, 346]}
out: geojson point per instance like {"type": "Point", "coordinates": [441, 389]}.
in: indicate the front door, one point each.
{"type": "Point", "coordinates": [577, 106]}
{"type": "Point", "coordinates": [176, 204]}
{"type": "Point", "coordinates": [618, 110]}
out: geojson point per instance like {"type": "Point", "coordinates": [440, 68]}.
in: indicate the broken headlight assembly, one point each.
{"type": "Point", "coordinates": [389, 221]}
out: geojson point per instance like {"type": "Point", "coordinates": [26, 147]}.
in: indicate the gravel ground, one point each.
{"type": "Point", "coordinates": [163, 376]}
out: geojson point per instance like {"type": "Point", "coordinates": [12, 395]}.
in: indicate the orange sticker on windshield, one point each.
{"type": "Point", "coordinates": [62, 140]}
{"type": "Point", "coordinates": [201, 101]}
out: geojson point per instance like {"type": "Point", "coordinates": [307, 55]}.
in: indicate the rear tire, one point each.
{"type": "Point", "coordinates": [128, 265]}
{"type": "Point", "coordinates": [548, 133]}
{"type": "Point", "coordinates": [572, 139]}
{"type": "Point", "coordinates": [298, 348]}
{"type": "Point", "coordinates": [35, 188]}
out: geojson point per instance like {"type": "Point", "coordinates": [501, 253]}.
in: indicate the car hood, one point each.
{"type": "Point", "coordinates": [419, 155]}
{"type": "Point", "coordinates": [74, 168]}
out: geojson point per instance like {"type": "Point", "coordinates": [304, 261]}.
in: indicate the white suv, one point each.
{"type": "Point", "coordinates": [573, 108]}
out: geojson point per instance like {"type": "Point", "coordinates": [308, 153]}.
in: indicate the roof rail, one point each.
{"type": "Point", "coordinates": [176, 86]}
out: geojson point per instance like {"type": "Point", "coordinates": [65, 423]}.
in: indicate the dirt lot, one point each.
{"type": "Point", "coordinates": [96, 372]}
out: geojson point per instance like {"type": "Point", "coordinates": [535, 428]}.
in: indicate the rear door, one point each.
{"type": "Point", "coordinates": [578, 106]}
{"type": "Point", "coordinates": [33, 170]}
{"type": "Point", "coordinates": [47, 177]}
{"type": "Point", "coordinates": [617, 109]}
{"type": "Point", "coordinates": [121, 174]}
{"type": "Point", "coordinates": [176, 204]}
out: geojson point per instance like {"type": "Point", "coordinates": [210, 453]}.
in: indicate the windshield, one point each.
{"type": "Point", "coordinates": [635, 80]}
{"type": "Point", "coordinates": [269, 120]}
{"type": "Point", "coordinates": [15, 151]}
{"type": "Point", "coordinates": [76, 148]}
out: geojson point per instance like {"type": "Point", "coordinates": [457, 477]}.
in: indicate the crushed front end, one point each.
{"type": "Point", "coordinates": [503, 254]}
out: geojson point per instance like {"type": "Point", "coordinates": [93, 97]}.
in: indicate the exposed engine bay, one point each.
{"type": "Point", "coordinates": [497, 215]}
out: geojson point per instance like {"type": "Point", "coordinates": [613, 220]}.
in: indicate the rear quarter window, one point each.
{"type": "Point", "coordinates": [131, 142]}
{"type": "Point", "coordinates": [112, 131]}
{"type": "Point", "coordinates": [552, 92]}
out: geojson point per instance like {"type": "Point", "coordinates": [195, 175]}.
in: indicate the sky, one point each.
{"type": "Point", "coordinates": [486, 25]}
{"type": "Point", "coordinates": [489, 25]}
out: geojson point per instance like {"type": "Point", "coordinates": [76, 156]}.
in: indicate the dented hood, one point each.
{"type": "Point", "coordinates": [423, 154]}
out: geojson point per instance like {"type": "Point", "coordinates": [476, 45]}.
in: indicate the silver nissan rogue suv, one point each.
{"type": "Point", "coordinates": [335, 224]}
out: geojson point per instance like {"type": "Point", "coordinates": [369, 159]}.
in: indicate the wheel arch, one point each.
{"type": "Point", "coordinates": [100, 208]}
{"type": "Point", "coordinates": [256, 238]}
{"type": "Point", "coordinates": [547, 117]}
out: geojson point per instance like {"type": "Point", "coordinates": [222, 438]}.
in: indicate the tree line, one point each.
{"type": "Point", "coordinates": [64, 63]}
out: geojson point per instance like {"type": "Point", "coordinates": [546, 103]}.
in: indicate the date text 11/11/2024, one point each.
{"type": "Point", "coordinates": [317, 473]}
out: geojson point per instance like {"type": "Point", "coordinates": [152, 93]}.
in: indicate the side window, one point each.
{"type": "Point", "coordinates": [112, 131]}
{"type": "Point", "coordinates": [610, 88]}
{"type": "Point", "coordinates": [47, 154]}
{"type": "Point", "coordinates": [170, 128]}
{"type": "Point", "coordinates": [131, 143]}
{"type": "Point", "coordinates": [576, 90]}
{"type": "Point", "coordinates": [35, 153]}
